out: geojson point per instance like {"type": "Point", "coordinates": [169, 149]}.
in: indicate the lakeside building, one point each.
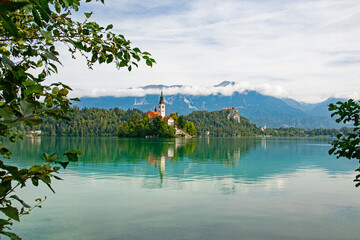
{"type": "Point", "coordinates": [160, 111]}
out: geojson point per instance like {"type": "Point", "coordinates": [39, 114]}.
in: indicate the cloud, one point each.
{"type": "Point", "coordinates": [196, 90]}
{"type": "Point", "coordinates": [291, 44]}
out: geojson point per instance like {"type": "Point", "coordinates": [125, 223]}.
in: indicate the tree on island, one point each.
{"type": "Point", "coordinates": [30, 32]}
{"type": "Point", "coordinates": [136, 127]}
{"type": "Point", "coordinates": [347, 145]}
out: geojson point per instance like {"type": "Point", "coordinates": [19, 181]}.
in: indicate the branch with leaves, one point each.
{"type": "Point", "coordinates": [347, 145]}
{"type": "Point", "coordinates": [30, 32]}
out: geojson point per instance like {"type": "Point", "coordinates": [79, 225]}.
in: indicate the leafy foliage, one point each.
{"type": "Point", "coordinates": [347, 145]}
{"type": "Point", "coordinates": [30, 32]}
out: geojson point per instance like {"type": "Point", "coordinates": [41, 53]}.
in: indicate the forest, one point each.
{"type": "Point", "coordinates": [217, 124]}
{"type": "Point", "coordinates": [86, 122]}
{"type": "Point", "coordinates": [100, 122]}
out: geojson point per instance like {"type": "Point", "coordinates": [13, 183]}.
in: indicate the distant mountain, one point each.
{"type": "Point", "coordinates": [321, 109]}
{"type": "Point", "coordinates": [224, 84]}
{"type": "Point", "coordinates": [160, 86]}
{"type": "Point", "coordinates": [258, 108]}
{"type": "Point", "coordinates": [299, 105]}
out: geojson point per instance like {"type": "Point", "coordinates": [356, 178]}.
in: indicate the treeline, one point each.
{"type": "Point", "coordinates": [87, 122]}
{"type": "Point", "coordinates": [222, 124]}
{"type": "Point", "coordinates": [218, 124]}
{"type": "Point", "coordinates": [100, 122]}
{"type": "Point", "coordinates": [298, 132]}
{"type": "Point", "coordinates": [132, 123]}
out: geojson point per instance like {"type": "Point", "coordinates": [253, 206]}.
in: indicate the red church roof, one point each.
{"type": "Point", "coordinates": [152, 114]}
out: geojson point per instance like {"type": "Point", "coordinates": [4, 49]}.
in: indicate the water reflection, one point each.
{"type": "Point", "coordinates": [247, 160]}
{"type": "Point", "coordinates": [226, 188]}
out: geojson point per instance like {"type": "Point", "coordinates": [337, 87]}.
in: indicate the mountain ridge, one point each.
{"type": "Point", "coordinates": [260, 109]}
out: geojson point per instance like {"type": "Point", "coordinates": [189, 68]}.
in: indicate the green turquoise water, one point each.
{"type": "Point", "coordinates": [217, 188]}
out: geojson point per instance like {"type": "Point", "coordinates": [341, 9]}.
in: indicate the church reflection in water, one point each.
{"type": "Point", "coordinates": [181, 153]}
{"type": "Point", "coordinates": [170, 151]}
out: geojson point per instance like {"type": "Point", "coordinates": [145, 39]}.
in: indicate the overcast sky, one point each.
{"type": "Point", "coordinates": [306, 50]}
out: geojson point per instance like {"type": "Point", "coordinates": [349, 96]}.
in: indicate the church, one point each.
{"type": "Point", "coordinates": [160, 111]}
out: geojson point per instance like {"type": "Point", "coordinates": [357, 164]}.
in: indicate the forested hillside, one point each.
{"type": "Point", "coordinates": [223, 123]}
{"type": "Point", "coordinates": [116, 122]}
{"type": "Point", "coordinates": [88, 122]}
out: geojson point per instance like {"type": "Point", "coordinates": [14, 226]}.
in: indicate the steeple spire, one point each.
{"type": "Point", "coordinates": [162, 105]}
{"type": "Point", "coordinates": [161, 98]}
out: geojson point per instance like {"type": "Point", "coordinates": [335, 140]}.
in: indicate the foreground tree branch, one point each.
{"type": "Point", "coordinates": [30, 30]}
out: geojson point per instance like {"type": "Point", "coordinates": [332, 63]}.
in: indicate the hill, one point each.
{"type": "Point", "coordinates": [224, 123]}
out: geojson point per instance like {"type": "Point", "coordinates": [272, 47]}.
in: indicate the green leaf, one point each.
{"type": "Point", "coordinates": [27, 109]}
{"type": "Point", "coordinates": [46, 35]}
{"type": "Point", "coordinates": [137, 50]}
{"type": "Point", "coordinates": [36, 17]}
{"type": "Point", "coordinates": [11, 235]}
{"type": "Point", "coordinates": [5, 152]}
{"type": "Point", "coordinates": [35, 181]}
{"type": "Point", "coordinates": [110, 26]}
{"type": "Point", "coordinates": [14, 171]}
{"type": "Point", "coordinates": [35, 169]}
{"type": "Point", "coordinates": [7, 113]}
{"type": "Point", "coordinates": [149, 63]}
{"type": "Point", "coordinates": [73, 155]}
{"type": "Point", "coordinates": [9, 25]}
{"type": "Point", "coordinates": [6, 7]}
{"type": "Point", "coordinates": [12, 139]}
{"type": "Point", "coordinates": [123, 63]}
{"type": "Point", "coordinates": [88, 15]}
{"type": "Point", "coordinates": [43, 7]}
{"type": "Point", "coordinates": [33, 89]}
{"type": "Point", "coordinates": [63, 164]}
{"type": "Point", "coordinates": [7, 61]}
{"type": "Point", "coordinates": [331, 151]}
{"type": "Point", "coordinates": [63, 92]}
{"type": "Point", "coordinates": [51, 56]}
{"type": "Point", "coordinates": [74, 152]}
{"type": "Point", "coordinates": [4, 222]}
{"type": "Point", "coordinates": [58, 178]}
{"type": "Point", "coordinates": [11, 212]}
{"type": "Point", "coordinates": [21, 201]}
{"type": "Point", "coordinates": [49, 157]}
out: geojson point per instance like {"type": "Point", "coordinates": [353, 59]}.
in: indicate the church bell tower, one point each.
{"type": "Point", "coordinates": [162, 105]}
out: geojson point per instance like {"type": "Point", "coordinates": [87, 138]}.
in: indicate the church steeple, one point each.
{"type": "Point", "coordinates": [161, 98]}
{"type": "Point", "coordinates": [162, 105]}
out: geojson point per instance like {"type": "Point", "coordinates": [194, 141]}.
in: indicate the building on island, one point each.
{"type": "Point", "coordinates": [161, 112]}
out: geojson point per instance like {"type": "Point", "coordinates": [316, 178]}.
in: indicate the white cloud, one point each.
{"type": "Point", "coordinates": [228, 90]}
{"type": "Point", "coordinates": [309, 48]}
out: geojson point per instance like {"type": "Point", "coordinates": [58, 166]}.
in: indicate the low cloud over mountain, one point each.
{"type": "Point", "coordinates": [258, 104]}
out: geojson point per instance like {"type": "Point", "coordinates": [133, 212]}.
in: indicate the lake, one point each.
{"type": "Point", "coordinates": [208, 188]}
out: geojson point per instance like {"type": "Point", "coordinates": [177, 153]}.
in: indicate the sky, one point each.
{"type": "Point", "coordinates": [305, 50]}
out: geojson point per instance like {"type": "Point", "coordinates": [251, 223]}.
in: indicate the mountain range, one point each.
{"type": "Point", "coordinates": [260, 109]}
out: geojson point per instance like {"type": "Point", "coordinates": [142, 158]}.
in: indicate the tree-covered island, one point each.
{"type": "Point", "coordinates": [157, 124]}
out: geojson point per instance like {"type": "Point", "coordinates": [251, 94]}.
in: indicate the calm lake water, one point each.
{"type": "Point", "coordinates": [217, 188]}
